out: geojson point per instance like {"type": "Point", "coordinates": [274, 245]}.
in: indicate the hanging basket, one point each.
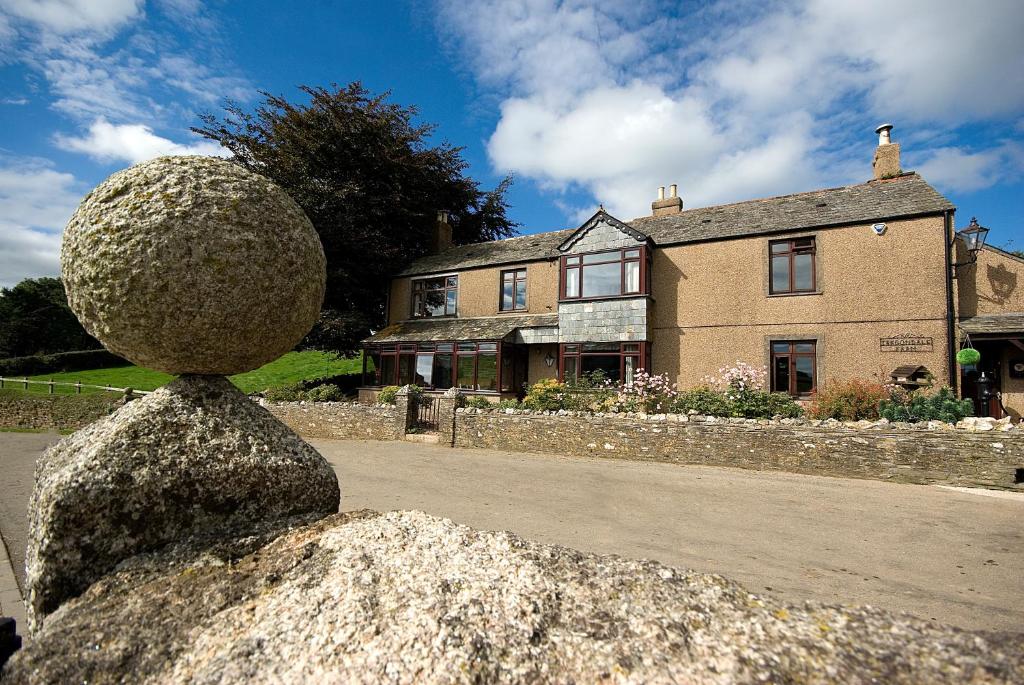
{"type": "Point", "coordinates": [968, 356]}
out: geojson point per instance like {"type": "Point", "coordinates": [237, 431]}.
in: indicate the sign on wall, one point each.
{"type": "Point", "coordinates": [906, 342]}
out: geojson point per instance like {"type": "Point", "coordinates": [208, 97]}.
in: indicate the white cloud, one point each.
{"type": "Point", "coordinates": [35, 204]}
{"type": "Point", "coordinates": [131, 143]}
{"type": "Point", "coordinates": [734, 100]}
{"type": "Point", "coordinates": [955, 168]}
{"type": "Point", "coordinates": [68, 16]}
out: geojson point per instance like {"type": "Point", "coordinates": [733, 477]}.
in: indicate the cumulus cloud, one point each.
{"type": "Point", "coordinates": [735, 99]}
{"type": "Point", "coordinates": [956, 167]}
{"type": "Point", "coordinates": [131, 143]}
{"type": "Point", "coordinates": [67, 16]}
{"type": "Point", "coordinates": [36, 202]}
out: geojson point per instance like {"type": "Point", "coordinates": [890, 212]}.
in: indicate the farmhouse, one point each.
{"type": "Point", "coordinates": [870, 281]}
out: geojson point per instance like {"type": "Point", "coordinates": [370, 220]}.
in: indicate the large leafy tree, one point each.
{"type": "Point", "coordinates": [35, 319]}
{"type": "Point", "coordinates": [371, 183]}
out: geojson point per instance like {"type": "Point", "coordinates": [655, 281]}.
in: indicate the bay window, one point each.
{"type": "Point", "coordinates": [614, 362]}
{"type": "Point", "coordinates": [612, 273]}
{"type": "Point", "coordinates": [470, 366]}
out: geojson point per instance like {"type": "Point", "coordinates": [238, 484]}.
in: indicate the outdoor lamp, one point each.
{"type": "Point", "coordinates": [550, 359]}
{"type": "Point", "coordinates": [974, 239]}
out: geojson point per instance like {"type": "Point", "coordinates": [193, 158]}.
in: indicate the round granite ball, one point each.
{"type": "Point", "coordinates": [193, 265]}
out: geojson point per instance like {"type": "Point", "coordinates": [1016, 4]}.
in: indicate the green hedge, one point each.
{"type": "Point", "coordinates": [61, 361]}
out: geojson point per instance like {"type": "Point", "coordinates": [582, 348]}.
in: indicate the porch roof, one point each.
{"type": "Point", "coordinates": [482, 328]}
{"type": "Point", "coordinates": [994, 324]}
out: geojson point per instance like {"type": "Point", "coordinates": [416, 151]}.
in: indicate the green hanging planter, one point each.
{"type": "Point", "coordinates": [968, 356]}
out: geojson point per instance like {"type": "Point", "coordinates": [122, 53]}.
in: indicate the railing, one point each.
{"type": "Point", "coordinates": [12, 382]}
{"type": "Point", "coordinates": [427, 409]}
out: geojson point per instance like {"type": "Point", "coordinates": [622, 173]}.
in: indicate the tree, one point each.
{"type": "Point", "coordinates": [371, 184]}
{"type": "Point", "coordinates": [35, 319]}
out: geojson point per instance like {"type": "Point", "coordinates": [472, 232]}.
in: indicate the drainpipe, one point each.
{"type": "Point", "coordinates": [951, 339]}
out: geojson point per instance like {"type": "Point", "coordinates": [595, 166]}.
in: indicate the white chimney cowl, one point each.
{"type": "Point", "coordinates": [883, 134]}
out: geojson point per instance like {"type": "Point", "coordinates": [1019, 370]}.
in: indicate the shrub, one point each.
{"type": "Point", "coordinates": [702, 400]}
{"type": "Point", "coordinates": [851, 400]}
{"type": "Point", "coordinates": [478, 402]}
{"type": "Point", "coordinates": [648, 393]}
{"type": "Point", "coordinates": [295, 392]}
{"type": "Point", "coordinates": [61, 361]}
{"type": "Point", "coordinates": [546, 394]}
{"type": "Point", "coordinates": [284, 393]}
{"type": "Point", "coordinates": [758, 404]}
{"type": "Point", "coordinates": [324, 393]}
{"type": "Point", "coordinates": [942, 405]}
{"type": "Point", "coordinates": [387, 394]}
{"type": "Point", "coordinates": [508, 404]}
{"type": "Point", "coordinates": [738, 378]}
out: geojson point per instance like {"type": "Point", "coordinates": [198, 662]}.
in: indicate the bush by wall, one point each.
{"type": "Point", "coordinates": [942, 405]}
{"type": "Point", "coordinates": [61, 361]}
{"type": "Point", "coordinates": [852, 400]}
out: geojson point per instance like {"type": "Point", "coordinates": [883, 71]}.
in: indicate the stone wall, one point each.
{"type": "Point", "coordinates": [57, 412]}
{"type": "Point", "coordinates": [340, 420]}
{"type": "Point", "coordinates": [902, 454]}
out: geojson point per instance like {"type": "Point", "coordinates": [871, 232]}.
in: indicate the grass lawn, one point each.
{"type": "Point", "coordinates": [292, 367]}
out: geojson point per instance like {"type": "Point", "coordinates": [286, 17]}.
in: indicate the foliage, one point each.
{"type": "Point", "coordinates": [370, 181]}
{"type": "Point", "coordinates": [758, 404]}
{"type": "Point", "coordinates": [968, 357]}
{"type": "Point", "coordinates": [59, 362]}
{"type": "Point", "coordinates": [648, 393]}
{"type": "Point", "coordinates": [545, 395]}
{"type": "Point", "coordinates": [295, 392]}
{"type": "Point", "coordinates": [387, 394]}
{"type": "Point", "coordinates": [733, 380]}
{"type": "Point", "coordinates": [509, 404]}
{"type": "Point", "coordinates": [35, 319]}
{"type": "Point", "coordinates": [477, 402]}
{"type": "Point", "coordinates": [703, 400]}
{"type": "Point", "coordinates": [942, 405]}
{"type": "Point", "coordinates": [852, 400]}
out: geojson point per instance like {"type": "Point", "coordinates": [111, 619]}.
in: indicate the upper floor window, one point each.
{"type": "Point", "coordinates": [792, 266]}
{"type": "Point", "coordinates": [435, 296]}
{"type": "Point", "coordinates": [794, 367]}
{"type": "Point", "coordinates": [604, 274]}
{"type": "Point", "coordinates": [513, 290]}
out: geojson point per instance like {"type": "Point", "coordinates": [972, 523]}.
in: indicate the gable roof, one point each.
{"type": "Point", "coordinates": [601, 217]}
{"type": "Point", "coordinates": [903, 196]}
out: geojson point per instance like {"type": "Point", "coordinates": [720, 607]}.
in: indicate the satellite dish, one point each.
{"type": "Point", "coordinates": [879, 229]}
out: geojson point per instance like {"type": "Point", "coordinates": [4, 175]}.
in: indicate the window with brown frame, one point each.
{"type": "Point", "coordinates": [435, 296]}
{"type": "Point", "coordinates": [513, 290]}
{"type": "Point", "coordinates": [614, 362]}
{"type": "Point", "coordinates": [611, 273]}
{"type": "Point", "coordinates": [791, 266]}
{"type": "Point", "coordinates": [435, 365]}
{"type": "Point", "coordinates": [794, 366]}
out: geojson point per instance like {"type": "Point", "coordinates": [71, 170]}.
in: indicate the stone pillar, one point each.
{"type": "Point", "coordinates": [451, 400]}
{"type": "Point", "coordinates": [405, 411]}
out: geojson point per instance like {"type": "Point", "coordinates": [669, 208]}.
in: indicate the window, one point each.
{"type": "Point", "coordinates": [513, 290]}
{"type": "Point", "coordinates": [435, 296]}
{"type": "Point", "coordinates": [604, 274]}
{"type": "Point", "coordinates": [792, 266]}
{"type": "Point", "coordinates": [794, 367]}
{"type": "Point", "coordinates": [614, 362]}
{"type": "Point", "coordinates": [469, 365]}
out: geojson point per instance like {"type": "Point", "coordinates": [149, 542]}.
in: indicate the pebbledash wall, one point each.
{"type": "Point", "coordinates": [983, 453]}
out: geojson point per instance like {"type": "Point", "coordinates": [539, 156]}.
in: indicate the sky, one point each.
{"type": "Point", "coordinates": [582, 102]}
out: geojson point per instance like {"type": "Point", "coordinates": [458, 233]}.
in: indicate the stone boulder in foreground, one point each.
{"type": "Point", "coordinates": [195, 457]}
{"type": "Point", "coordinates": [407, 598]}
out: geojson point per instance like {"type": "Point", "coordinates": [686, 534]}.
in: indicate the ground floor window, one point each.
{"type": "Point", "coordinates": [435, 365]}
{"type": "Point", "coordinates": [614, 362]}
{"type": "Point", "coordinates": [794, 367]}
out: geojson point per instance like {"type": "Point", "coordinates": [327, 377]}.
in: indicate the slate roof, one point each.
{"type": "Point", "coordinates": [906, 195]}
{"type": "Point", "coordinates": [992, 324]}
{"type": "Point", "coordinates": [482, 328]}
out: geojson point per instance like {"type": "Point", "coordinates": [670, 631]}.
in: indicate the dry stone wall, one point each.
{"type": "Point", "coordinates": [54, 412]}
{"type": "Point", "coordinates": [903, 454]}
{"type": "Point", "coordinates": [340, 420]}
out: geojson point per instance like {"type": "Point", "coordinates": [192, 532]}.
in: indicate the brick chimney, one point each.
{"type": "Point", "coordinates": [887, 155]}
{"type": "Point", "coordinates": [441, 239]}
{"type": "Point", "coordinates": [663, 206]}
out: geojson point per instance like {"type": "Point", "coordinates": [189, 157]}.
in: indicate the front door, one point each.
{"type": "Point", "coordinates": [991, 365]}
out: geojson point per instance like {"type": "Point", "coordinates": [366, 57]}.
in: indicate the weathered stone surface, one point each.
{"type": "Point", "coordinates": [408, 598]}
{"type": "Point", "coordinates": [193, 265]}
{"type": "Point", "coordinates": [194, 456]}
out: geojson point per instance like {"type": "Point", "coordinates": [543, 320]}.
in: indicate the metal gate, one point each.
{"type": "Point", "coordinates": [426, 413]}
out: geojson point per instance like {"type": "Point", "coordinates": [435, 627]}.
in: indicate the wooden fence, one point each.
{"type": "Point", "coordinates": [24, 382]}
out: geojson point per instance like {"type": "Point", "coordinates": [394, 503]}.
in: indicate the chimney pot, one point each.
{"type": "Point", "coordinates": [661, 192]}
{"type": "Point", "coordinates": [667, 205]}
{"type": "Point", "coordinates": [886, 163]}
{"type": "Point", "coordinates": [673, 190]}
{"type": "Point", "coordinates": [441, 239]}
{"type": "Point", "coordinates": [883, 134]}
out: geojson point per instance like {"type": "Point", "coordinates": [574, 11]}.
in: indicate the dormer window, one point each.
{"type": "Point", "coordinates": [611, 273]}
{"type": "Point", "coordinates": [435, 296]}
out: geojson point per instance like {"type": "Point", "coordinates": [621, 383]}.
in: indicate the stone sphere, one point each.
{"type": "Point", "coordinates": [193, 265]}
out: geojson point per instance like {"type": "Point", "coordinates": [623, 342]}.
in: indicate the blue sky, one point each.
{"type": "Point", "coordinates": [582, 102]}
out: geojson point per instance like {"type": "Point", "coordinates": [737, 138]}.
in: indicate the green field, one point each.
{"type": "Point", "coordinates": [292, 367]}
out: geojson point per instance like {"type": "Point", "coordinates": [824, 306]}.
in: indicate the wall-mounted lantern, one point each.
{"type": "Point", "coordinates": [974, 237]}
{"type": "Point", "coordinates": [550, 359]}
